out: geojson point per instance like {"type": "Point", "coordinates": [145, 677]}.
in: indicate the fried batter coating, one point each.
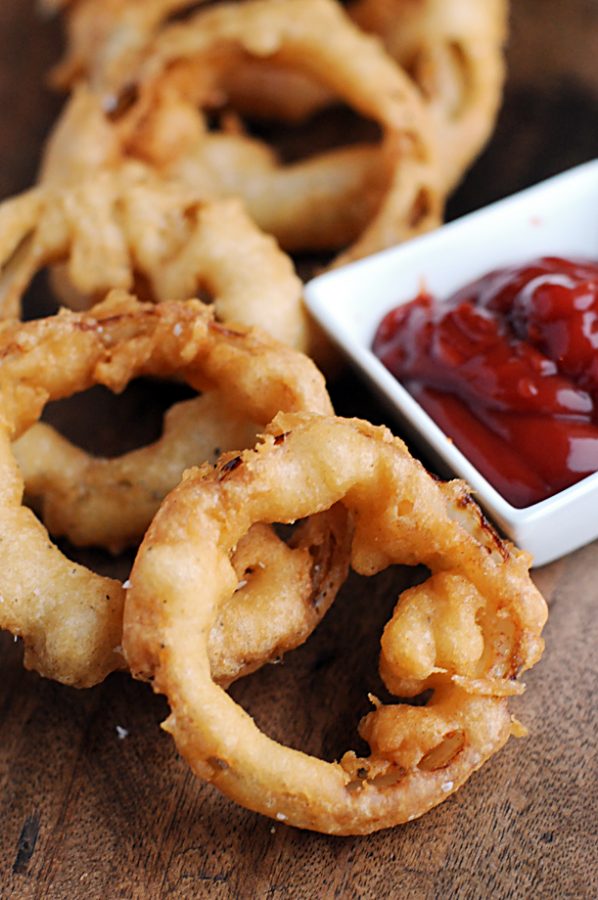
{"type": "Point", "coordinates": [367, 195]}
{"type": "Point", "coordinates": [466, 633]}
{"type": "Point", "coordinates": [99, 502]}
{"type": "Point", "coordinates": [106, 37]}
{"type": "Point", "coordinates": [126, 225]}
{"type": "Point", "coordinates": [451, 49]}
{"type": "Point", "coordinates": [70, 618]}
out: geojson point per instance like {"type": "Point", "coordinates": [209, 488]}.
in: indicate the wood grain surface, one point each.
{"type": "Point", "coordinates": [87, 810]}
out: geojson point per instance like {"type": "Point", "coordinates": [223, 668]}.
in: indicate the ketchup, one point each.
{"type": "Point", "coordinates": [508, 368]}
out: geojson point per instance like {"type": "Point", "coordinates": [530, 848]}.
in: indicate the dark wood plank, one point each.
{"type": "Point", "coordinates": [85, 813]}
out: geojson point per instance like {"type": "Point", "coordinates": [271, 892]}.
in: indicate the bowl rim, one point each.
{"type": "Point", "coordinates": [319, 297]}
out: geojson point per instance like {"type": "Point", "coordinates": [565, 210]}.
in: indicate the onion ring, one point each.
{"type": "Point", "coordinates": [377, 195]}
{"type": "Point", "coordinates": [454, 53]}
{"type": "Point", "coordinates": [98, 502]}
{"type": "Point", "coordinates": [68, 617]}
{"type": "Point", "coordinates": [419, 755]}
{"type": "Point", "coordinates": [107, 38]}
{"type": "Point", "coordinates": [127, 225]}
{"type": "Point", "coordinates": [452, 49]}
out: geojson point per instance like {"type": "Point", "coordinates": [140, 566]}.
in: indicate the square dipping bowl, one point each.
{"type": "Point", "coordinates": [556, 218]}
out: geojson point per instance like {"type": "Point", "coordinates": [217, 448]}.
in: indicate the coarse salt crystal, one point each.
{"type": "Point", "coordinates": [121, 732]}
{"type": "Point", "coordinates": [178, 329]}
{"type": "Point", "coordinates": [447, 786]}
{"type": "Point", "coordinates": [281, 817]}
{"type": "Point", "coordinates": [127, 584]}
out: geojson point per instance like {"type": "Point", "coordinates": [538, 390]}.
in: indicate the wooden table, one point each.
{"type": "Point", "coordinates": [88, 812]}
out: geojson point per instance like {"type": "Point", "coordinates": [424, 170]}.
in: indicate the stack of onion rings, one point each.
{"type": "Point", "coordinates": [139, 191]}
{"type": "Point", "coordinates": [68, 617]}
{"type": "Point", "coordinates": [467, 633]}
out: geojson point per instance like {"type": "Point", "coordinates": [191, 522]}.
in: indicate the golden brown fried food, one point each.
{"type": "Point", "coordinates": [68, 617]}
{"type": "Point", "coordinates": [453, 50]}
{"type": "Point", "coordinates": [282, 592]}
{"type": "Point", "coordinates": [99, 502]}
{"type": "Point", "coordinates": [367, 195]}
{"type": "Point", "coordinates": [467, 632]}
{"type": "Point", "coordinates": [105, 38]}
{"type": "Point", "coordinates": [125, 225]}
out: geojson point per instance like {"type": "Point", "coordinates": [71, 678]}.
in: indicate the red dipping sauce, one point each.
{"type": "Point", "coordinates": [508, 368]}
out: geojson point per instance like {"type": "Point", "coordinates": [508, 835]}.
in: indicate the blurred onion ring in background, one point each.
{"type": "Point", "coordinates": [366, 195]}
{"type": "Point", "coordinates": [124, 227]}
{"type": "Point", "coordinates": [451, 49]}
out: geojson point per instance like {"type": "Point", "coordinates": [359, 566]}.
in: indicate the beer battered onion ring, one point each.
{"type": "Point", "coordinates": [70, 618]}
{"type": "Point", "coordinates": [99, 502]}
{"type": "Point", "coordinates": [467, 632]}
{"type": "Point", "coordinates": [107, 38]}
{"type": "Point", "coordinates": [126, 226]}
{"type": "Point", "coordinates": [367, 194]}
{"type": "Point", "coordinates": [453, 50]}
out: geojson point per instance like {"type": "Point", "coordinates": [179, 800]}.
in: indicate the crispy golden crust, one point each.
{"type": "Point", "coordinates": [453, 50]}
{"type": "Point", "coordinates": [466, 633]}
{"type": "Point", "coordinates": [368, 196]}
{"type": "Point", "coordinates": [109, 503]}
{"type": "Point", "coordinates": [126, 225]}
{"type": "Point", "coordinates": [319, 40]}
{"type": "Point", "coordinates": [68, 617]}
{"type": "Point", "coordinates": [282, 593]}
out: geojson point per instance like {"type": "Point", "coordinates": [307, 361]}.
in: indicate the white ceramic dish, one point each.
{"type": "Point", "coordinates": [557, 217]}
